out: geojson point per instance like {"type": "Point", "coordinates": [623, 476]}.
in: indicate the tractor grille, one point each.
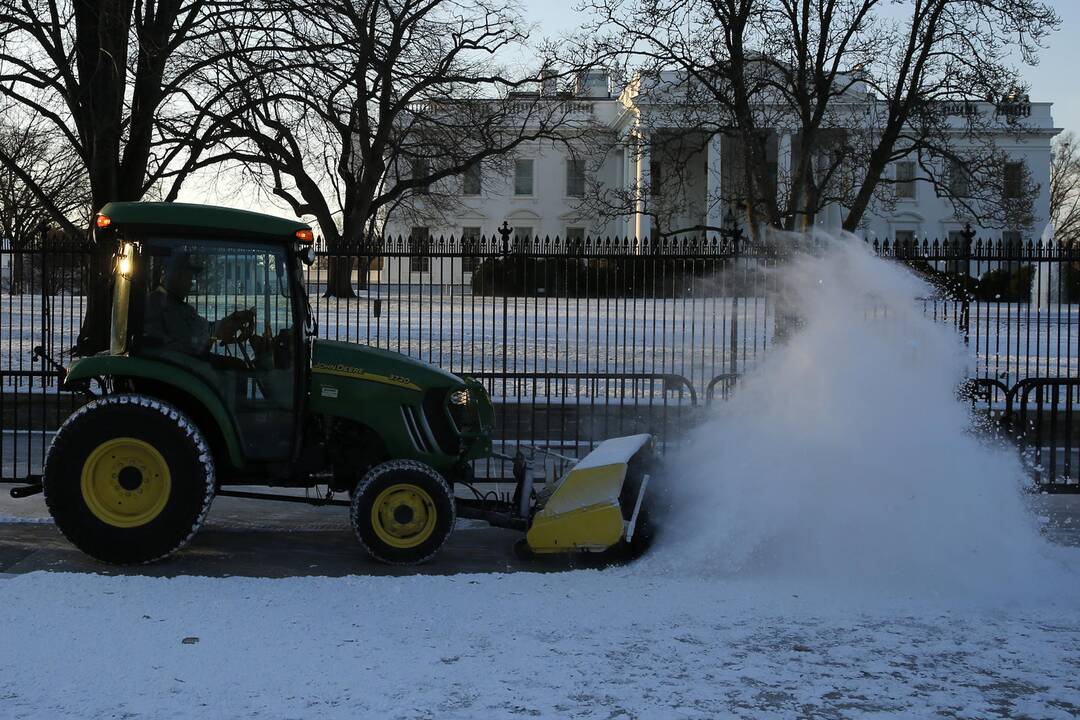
{"type": "Point", "coordinates": [435, 411]}
{"type": "Point", "coordinates": [415, 427]}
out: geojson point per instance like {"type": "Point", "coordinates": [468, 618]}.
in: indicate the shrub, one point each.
{"type": "Point", "coordinates": [1006, 285]}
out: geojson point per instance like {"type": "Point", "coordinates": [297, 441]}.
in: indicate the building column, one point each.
{"type": "Point", "coordinates": [783, 168]}
{"type": "Point", "coordinates": [642, 222]}
{"type": "Point", "coordinates": [629, 170]}
{"type": "Point", "coordinates": [714, 211]}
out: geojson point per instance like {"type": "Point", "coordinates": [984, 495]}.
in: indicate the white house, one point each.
{"type": "Point", "coordinates": [547, 188]}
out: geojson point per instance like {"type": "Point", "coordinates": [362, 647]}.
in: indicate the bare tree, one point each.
{"type": "Point", "coordinates": [100, 73]}
{"type": "Point", "coordinates": [50, 167]}
{"type": "Point", "coordinates": [345, 109]}
{"type": "Point", "coordinates": [24, 218]}
{"type": "Point", "coordinates": [953, 54]}
{"type": "Point", "coordinates": [1065, 188]}
{"type": "Point", "coordinates": [823, 95]}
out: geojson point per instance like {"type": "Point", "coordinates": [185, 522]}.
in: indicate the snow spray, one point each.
{"type": "Point", "coordinates": [846, 456]}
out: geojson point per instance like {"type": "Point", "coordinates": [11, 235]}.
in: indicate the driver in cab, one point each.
{"type": "Point", "coordinates": [171, 320]}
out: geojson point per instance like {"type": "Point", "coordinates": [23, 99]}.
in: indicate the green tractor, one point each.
{"type": "Point", "coordinates": [216, 378]}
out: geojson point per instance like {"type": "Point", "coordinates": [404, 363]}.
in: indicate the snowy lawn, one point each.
{"type": "Point", "coordinates": [698, 338]}
{"type": "Point", "coordinates": [587, 644]}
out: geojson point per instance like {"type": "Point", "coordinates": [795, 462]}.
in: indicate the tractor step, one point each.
{"type": "Point", "coordinates": [26, 490]}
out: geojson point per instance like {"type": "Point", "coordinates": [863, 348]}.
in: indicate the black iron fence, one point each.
{"type": "Point", "coordinates": [581, 339]}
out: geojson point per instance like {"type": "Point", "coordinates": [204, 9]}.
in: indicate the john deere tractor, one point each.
{"type": "Point", "coordinates": [215, 378]}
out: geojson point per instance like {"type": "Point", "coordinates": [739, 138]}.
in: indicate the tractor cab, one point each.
{"type": "Point", "coordinates": [216, 293]}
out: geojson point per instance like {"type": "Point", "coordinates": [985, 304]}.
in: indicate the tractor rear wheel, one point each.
{"type": "Point", "coordinates": [402, 512]}
{"type": "Point", "coordinates": [129, 479]}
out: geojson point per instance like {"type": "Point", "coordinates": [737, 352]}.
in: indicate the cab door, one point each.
{"type": "Point", "coordinates": [224, 311]}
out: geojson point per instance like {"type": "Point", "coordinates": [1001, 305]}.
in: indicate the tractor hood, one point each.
{"type": "Point", "coordinates": [363, 362]}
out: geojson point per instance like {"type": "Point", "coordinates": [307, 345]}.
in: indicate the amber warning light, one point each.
{"type": "Point", "coordinates": [103, 221]}
{"type": "Point", "coordinates": [305, 235]}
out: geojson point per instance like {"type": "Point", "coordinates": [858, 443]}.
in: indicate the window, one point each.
{"type": "Point", "coordinates": [419, 245]}
{"type": "Point", "coordinates": [733, 181]}
{"type": "Point", "coordinates": [575, 238]}
{"type": "Point", "coordinates": [959, 180]}
{"type": "Point", "coordinates": [1014, 180]}
{"type": "Point", "coordinates": [732, 177]}
{"type": "Point", "coordinates": [656, 177]}
{"type": "Point", "coordinates": [575, 177]}
{"type": "Point", "coordinates": [905, 180]}
{"type": "Point", "coordinates": [904, 237]}
{"type": "Point", "coordinates": [470, 249]}
{"type": "Point", "coordinates": [470, 180]}
{"type": "Point", "coordinates": [523, 177]}
{"type": "Point", "coordinates": [420, 169]}
{"type": "Point", "coordinates": [523, 237]}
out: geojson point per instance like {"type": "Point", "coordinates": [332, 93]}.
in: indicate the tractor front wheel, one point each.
{"type": "Point", "coordinates": [402, 512]}
{"type": "Point", "coordinates": [129, 479]}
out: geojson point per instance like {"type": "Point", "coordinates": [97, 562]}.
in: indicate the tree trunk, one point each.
{"type": "Point", "coordinates": [101, 62]}
{"type": "Point", "coordinates": [16, 286]}
{"type": "Point", "coordinates": [95, 330]}
{"type": "Point", "coordinates": [339, 270]}
{"type": "Point", "coordinates": [866, 193]}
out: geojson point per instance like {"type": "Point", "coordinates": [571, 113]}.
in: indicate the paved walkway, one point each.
{"type": "Point", "coordinates": [260, 539]}
{"type": "Point", "coordinates": [271, 539]}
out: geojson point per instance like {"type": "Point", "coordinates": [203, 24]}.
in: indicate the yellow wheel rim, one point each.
{"type": "Point", "coordinates": [403, 516]}
{"type": "Point", "coordinates": [126, 482]}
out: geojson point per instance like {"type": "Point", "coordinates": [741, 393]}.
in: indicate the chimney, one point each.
{"type": "Point", "coordinates": [549, 81]}
{"type": "Point", "coordinates": [594, 83]}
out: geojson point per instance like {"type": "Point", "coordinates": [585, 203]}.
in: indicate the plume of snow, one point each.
{"type": "Point", "coordinates": [846, 456]}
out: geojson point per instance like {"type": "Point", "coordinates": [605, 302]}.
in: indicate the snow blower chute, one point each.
{"type": "Point", "coordinates": [598, 505]}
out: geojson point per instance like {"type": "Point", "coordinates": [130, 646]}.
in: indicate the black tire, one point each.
{"type": "Point", "coordinates": [183, 501]}
{"type": "Point", "coordinates": [522, 551]}
{"type": "Point", "coordinates": [437, 499]}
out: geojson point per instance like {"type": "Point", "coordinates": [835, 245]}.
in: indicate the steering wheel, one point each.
{"type": "Point", "coordinates": [237, 328]}
{"type": "Point", "coordinates": [245, 329]}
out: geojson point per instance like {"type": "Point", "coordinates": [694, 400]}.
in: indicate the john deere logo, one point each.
{"type": "Point", "coordinates": [348, 371]}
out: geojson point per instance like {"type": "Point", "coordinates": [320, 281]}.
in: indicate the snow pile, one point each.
{"type": "Point", "coordinates": [846, 456]}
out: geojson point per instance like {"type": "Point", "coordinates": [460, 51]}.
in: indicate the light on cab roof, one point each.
{"type": "Point", "coordinates": [305, 235]}
{"type": "Point", "coordinates": [103, 221]}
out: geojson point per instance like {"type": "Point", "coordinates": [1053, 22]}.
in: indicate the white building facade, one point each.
{"type": "Point", "coordinates": [607, 182]}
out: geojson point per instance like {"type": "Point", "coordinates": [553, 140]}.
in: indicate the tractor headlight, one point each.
{"type": "Point", "coordinates": [462, 409]}
{"type": "Point", "coordinates": [123, 260]}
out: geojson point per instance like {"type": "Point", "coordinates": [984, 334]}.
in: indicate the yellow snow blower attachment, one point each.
{"type": "Point", "coordinates": [599, 504]}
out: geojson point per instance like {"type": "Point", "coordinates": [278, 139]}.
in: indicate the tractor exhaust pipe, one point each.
{"type": "Point", "coordinates": [523, 475]}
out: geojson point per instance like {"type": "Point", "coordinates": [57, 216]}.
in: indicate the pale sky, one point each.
{"type": "Point", "coordinates": [1055, 79]}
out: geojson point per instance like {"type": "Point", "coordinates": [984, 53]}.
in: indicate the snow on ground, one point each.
{"type": "Point", "coordinates": [584, 644]}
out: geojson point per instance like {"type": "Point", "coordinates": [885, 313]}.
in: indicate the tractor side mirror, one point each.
{"type": "Point", "coordinates": [307, 256]}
